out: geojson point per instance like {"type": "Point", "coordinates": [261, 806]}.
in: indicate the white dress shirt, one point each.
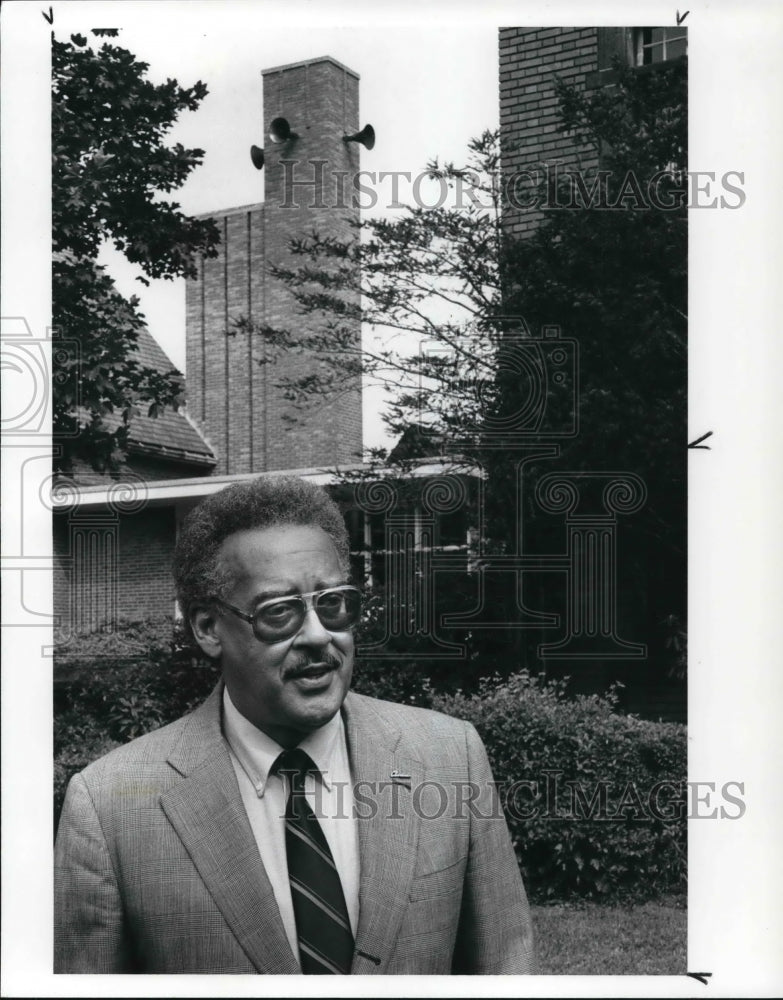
{"type": "Point", "coordinates": [264, 796]}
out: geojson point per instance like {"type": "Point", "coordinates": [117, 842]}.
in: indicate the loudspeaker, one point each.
{"type": "Point", "coordinates": [280, 130]}
{"type": "Point", "coordinates": [366, 137]}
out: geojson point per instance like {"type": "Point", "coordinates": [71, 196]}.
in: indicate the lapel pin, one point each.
{"type": "Point", "coordinates": [400, 777]}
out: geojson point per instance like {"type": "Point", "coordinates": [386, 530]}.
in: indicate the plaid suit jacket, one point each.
{"type": "Point", "coordinates": [156, 868]}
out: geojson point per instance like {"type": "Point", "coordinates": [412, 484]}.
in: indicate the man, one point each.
{"type": "Point", "coordinates": [287, 825]}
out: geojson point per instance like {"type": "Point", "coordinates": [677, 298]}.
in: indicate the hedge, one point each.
{"type": "Point", "coordinates": [113, 685]}
{"type": "Point", "coordinates": [594, 797]}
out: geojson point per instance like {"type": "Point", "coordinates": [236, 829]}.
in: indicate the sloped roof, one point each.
{"type": "Point", "coordinates": [172, 434]}
{"type": "Point", "coordinates": [417, 441]}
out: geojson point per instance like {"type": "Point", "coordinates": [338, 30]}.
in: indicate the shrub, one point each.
{"type": "Point", "coordinates": [136, 677]}
{"type": "Point", "coordinates": [403, 667]}
{"type": "Point", "coordinates": [392, 680]}
{"type": "Point", "coordinates": [116, 684]}
{"type": "Point", "coordinates": [578, 781]}
{"type": "Point", "coordinates": [76, 746]}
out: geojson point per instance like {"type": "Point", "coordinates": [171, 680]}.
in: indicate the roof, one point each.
{"type": "Point", "coordinates": [218, 213]}
{"type": "Point", "coordinates": [417, 441]}
{"type": "Point", "coordinates": [310, 62]}
{"type": "Point", "coordinates": [172, 434]}
{"type": "Point", "coordinates": [173, 491]}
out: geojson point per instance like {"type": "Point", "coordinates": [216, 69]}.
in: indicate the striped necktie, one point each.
{"type": "Point", "coordinates": [322, 926]}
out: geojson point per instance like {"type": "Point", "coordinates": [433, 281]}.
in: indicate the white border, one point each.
{"type": "Point", "coordinates": [735, 687]}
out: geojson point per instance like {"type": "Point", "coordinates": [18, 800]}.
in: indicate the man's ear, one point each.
{"type": "Point", "coordinates": [203, 621]}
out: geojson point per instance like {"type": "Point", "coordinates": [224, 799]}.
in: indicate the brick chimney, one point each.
{"type": "Point", "coordinates": [307, 185]}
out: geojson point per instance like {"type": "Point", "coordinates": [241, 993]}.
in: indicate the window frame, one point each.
{"type": "Point", "coordinates": [640, 46]}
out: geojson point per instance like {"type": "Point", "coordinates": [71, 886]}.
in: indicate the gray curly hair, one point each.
{"type": "Point", "coordinates": [260, 503]}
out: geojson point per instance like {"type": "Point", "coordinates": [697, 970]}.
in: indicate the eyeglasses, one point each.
{"type": "Point", "coordinates": [279, 618]}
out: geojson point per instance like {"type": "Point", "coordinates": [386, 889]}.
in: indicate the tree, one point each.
{"type": "Point", "coordinates": [109, 169]}
{"type": "Point", "coordinates": [611, 275]}
{"type": "Point", "coordinates": [428, 282]}
{"type": "Point", "coordinates": [612, 272]}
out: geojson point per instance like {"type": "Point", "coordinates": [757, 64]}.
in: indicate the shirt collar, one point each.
{"type": "Point", "coordinates": [257, 752]}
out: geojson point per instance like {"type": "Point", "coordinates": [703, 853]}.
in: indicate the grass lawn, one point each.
{"type": "Point", "coordinates": [590, 939]}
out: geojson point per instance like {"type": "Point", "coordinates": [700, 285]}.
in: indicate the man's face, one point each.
{"type": "Point", "coordinates": [291, 687]}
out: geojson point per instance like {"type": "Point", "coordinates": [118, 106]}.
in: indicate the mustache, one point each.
{"type": "Point", "coordinates": [305, 662]}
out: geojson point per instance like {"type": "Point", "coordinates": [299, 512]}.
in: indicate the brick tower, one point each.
{"type": "Point", "coordinates": [231, 396]}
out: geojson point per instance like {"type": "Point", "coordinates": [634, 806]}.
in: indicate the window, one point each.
{"type": "Point", "coordinates": [655, 45]}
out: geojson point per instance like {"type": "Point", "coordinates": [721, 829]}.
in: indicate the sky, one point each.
{"type": "Point", "coordinates": [427, 88]}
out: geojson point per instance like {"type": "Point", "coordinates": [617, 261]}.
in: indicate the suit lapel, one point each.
{"type": "Point", "coordinates": [388, 829]}
{"type": "Point", "coordinates": [206, 810]}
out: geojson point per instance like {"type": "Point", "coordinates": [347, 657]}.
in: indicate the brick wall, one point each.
{"type": "Point", "coordinates": [530, 61]}
{"type": "Point", "coordinates": [110, 564]}
{"type": "Point", "coordinates": [230, 395]}
{"type": "Point", "coordinates": [146, 548]}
